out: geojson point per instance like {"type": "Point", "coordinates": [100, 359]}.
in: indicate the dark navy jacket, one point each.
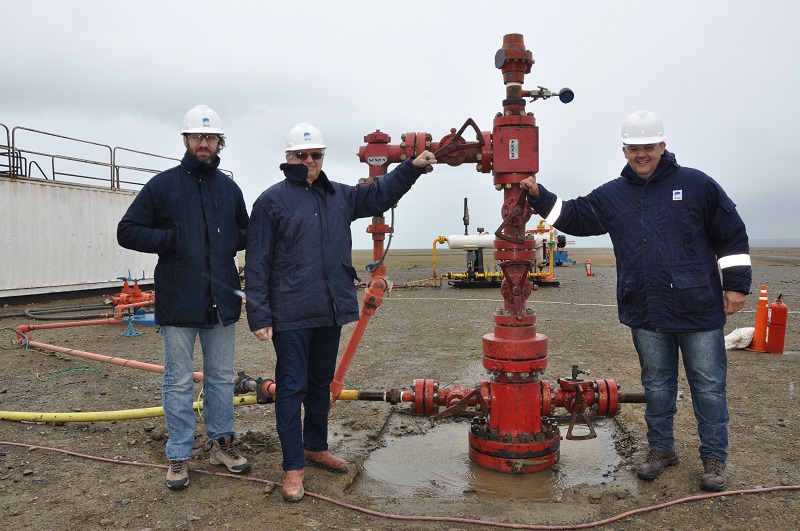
{"type": "Point", "coordinates": [195, 218]}
{"type": "Point", "coordinates": [298, 267]}
{"type": "Point", "coordinates": [672, 234]}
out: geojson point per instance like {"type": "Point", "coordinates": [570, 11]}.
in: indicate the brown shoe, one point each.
{"type": "Point", "coordinates": [223, 452]}
{"type": "Point", "coordinates": [293, 485]}
{"type": "Point", "coordinates": [655, 463]}
{"type": "Point", "coordinates": [178, 475]}
{"type": "Point", "coordinates": [327, 460]}
{"type": "Point", "coordinates": [714, 476]}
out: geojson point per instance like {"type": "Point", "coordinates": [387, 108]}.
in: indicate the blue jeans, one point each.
{"type": "Point", "coordinates": [706, 364]}
{"type": "Point", "coordinates": [303, 374]}
{"type": "Point", "coordinates": [177, 390]}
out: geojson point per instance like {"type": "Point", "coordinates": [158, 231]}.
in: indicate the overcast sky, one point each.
{"type": "Point", "coordinates": [723, 75]}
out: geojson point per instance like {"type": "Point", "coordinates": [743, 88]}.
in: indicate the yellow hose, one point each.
{"type": "Point", "coordinates": [129, 414]}
{"type": "Point", "coordinates": [125, 414]}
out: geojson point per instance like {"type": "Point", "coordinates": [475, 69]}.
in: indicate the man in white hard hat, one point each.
{"type": "Point", "coordinates": [301, 288]}
{"type": "Point", "coordinates": [195, 218]}
{"type": "Point", "coordinates": [674, 229]}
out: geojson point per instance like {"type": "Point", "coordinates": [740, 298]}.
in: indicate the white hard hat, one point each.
{"type": "Point", "coordinates": [642, 127]}
{"type": "Point", "coordinates": [202, 119]}
{"type": "Point", "coordinates": [304, 136]}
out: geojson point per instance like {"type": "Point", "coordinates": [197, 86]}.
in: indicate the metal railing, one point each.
{"type": "Point", "coordinates": [9, 159]}
{"type": "Point", "coordinates": [19, 162]}
{"type": "Point", "coordinates": [118, 181]}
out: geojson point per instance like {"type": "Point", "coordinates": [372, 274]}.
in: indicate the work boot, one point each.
{"type": "Point", "coordinates": [293, 485]}
{"type": "Point", "coordinates": [327, 460]}
{"type": "Point", "coordinates": [223, 452]}
{"type": "Point", "coordinates": [714, 476]}
{"type": "Point", "coordinates": [655, 463]}
{"type": "Point", "coordinates": [178, 475]}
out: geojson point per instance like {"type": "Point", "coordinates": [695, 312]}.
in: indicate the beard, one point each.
{"type": "Point", "coordinates": [205, 156]}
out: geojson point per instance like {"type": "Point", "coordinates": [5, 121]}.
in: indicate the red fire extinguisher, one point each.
{"type": "Point", "coordinates": [589, 268]}
{"type": "Point", "coordinates": [776, 328]}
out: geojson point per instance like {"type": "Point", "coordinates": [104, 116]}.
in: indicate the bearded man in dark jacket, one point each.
{"type": "Point", "coordinates": [195, 218]}
{"type": "Point", "coordinates": [301, 288]}
{"type": "Point", "coordinates": [673, 229]}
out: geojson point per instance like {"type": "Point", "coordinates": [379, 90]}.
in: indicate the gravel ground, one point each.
{"type": "Point", "coordinates": [104, 473]}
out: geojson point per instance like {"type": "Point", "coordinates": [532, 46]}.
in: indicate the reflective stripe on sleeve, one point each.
{"type": "Point", "coordinates": [553, 216]}
{"type": "Point", "coordinates": [734, 260]}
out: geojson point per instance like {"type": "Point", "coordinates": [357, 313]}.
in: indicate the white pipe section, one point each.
{"type": "Point", "coordinates": [540, 239]}
{"type": "Point", "coordinates": [460, 241]}
{"type": "Point", "coordinates": [486, 240]}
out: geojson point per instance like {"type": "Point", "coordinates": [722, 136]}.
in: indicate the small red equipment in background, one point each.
{"type": "Point", "coordinates": [588, 264]}
{"type": "Point", "coordinates": [776, 327]}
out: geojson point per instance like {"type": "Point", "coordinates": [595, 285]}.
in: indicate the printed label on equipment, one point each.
{"type": "Point", "coordinates": [513, 149]}
{"type": "Point", "coordinates": [377, 161]}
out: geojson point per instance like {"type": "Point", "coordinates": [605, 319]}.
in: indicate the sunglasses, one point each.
{"type": "Point", "coordinates": [302, 155]}
{"type": "Point", "coordinates": [199, 137]}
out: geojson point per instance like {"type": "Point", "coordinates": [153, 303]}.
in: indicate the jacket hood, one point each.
{"type": "Point", "coordinates": [297, 173]}
{"type": "Point", "coordinates": [191, 164]}
{"type": "Point", "coordinates": [666, 165]}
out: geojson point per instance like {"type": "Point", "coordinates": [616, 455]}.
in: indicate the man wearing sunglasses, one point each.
{"type": "Point", "coordinates": [195, 218]}
{"type": "Point", "coordinates": [301, 288]}
{"type": "Point", "coordinates": [674, 229]}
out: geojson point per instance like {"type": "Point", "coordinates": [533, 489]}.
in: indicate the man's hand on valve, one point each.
{"type": "Point", "coordinates": [424, 159]}
{"type": "Point", "coordinates": [529, 185]}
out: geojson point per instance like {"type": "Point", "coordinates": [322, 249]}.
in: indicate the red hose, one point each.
{"type": "Point", "coordinates": [414, 518]}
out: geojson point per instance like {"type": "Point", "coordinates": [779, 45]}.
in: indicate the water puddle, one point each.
{"type": "Point", "coordinates": [435, 463]}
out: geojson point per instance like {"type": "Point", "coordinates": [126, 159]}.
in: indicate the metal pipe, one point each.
{"type": "Point", "coordinates": [151, 367]}
{"type": "Point", "coordinates": [372, 300]}
{"type": "Point", "coordinates": [117, 319]}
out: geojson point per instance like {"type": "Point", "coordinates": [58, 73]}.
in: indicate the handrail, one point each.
{"type": "Point", "coordinates": [8, 137]}
{"type": "Point", "coordinates": [30, 167]}
{"type": "Point", "coordinates": [64, 157]}
{"type": "Point", "coordinates": [21, 166]}
{"type": "Point", "coordinates": [118, 167]}
{"type": "Point", "coordinates": [7, 146]}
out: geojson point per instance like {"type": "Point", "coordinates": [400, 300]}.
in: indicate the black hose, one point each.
{"type": "Point", "coordinates": [44, 314]}
{"type": "Point", "coordinates": [375, 265]}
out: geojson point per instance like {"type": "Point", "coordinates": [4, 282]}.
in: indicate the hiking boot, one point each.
{"type": "Point", "coordinates": [714, 476]}
{"type": "Point", "coordinates": [293, 485]}
{"type": "Point", "coordinates": [178, 475]}
{"type": "Point", "coordinates": [327, 460]}
{"type": "Point", "coordinates": [655, 463]}
{"type": "Point", "coordinates": [223, 452]}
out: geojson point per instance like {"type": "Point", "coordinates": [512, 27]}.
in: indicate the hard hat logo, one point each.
{"type": "Point", "coordinates": [202, 119]}
{"type": "Point", "coordinates": [304, 136]}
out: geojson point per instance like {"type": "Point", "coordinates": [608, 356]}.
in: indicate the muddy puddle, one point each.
{"type": "Point", "coordinates": [435, 463]}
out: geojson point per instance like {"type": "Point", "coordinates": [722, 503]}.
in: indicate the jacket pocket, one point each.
{"type": "Point", "coordinates": [632, 301]}
{"type": "Point", "coordinates": [693, 292]}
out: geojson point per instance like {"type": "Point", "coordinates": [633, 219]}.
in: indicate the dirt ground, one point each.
{"type": "Point", "coordinates": [107, 473]}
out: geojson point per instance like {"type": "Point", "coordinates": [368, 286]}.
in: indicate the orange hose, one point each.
{"type": "Point", "coordinates": [198, 376]}
{"type": "Point", "coordinates": [372, 300]}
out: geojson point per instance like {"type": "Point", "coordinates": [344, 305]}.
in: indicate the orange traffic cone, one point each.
{"type": "Point", "coordinates": [759, 343]}
{"type": "Point", "coordinates": [589, 272]}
